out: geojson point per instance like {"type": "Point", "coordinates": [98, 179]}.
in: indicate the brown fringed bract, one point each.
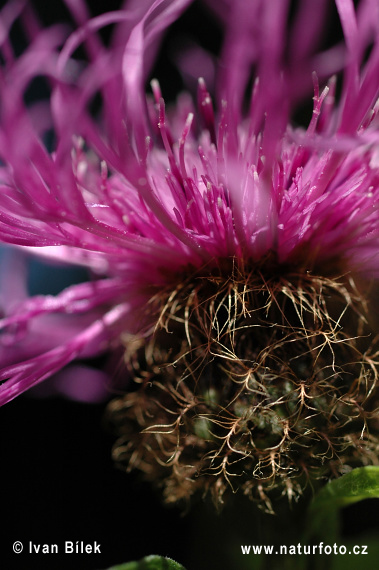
{"type": "Point", "coordinates": [259, 381]}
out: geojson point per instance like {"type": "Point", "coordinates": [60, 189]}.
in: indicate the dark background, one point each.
{"type": "Point", "coordinates": [58, 483]}
{"type": "Point", "coordinates": [57, 478]}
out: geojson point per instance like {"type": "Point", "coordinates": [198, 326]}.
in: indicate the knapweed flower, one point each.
{"type": "Point", "coordinates": [231, 252]}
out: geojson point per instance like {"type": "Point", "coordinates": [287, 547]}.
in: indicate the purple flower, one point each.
{"type": "Point", "coordinates": [150, 198]}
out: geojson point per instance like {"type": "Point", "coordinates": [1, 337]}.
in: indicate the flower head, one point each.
{"type": "Point", "coordinates": [230, 250]}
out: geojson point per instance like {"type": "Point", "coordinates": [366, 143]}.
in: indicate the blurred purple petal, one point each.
{"type": "Point", "coordinates": [76, 382]}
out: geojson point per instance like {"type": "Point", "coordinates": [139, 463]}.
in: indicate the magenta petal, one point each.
{"type": "Point", "coordinates": [146, 192]}
{"type": "Point", "coordinates": [89, 342]}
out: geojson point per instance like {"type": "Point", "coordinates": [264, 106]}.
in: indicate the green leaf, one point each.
{"type": "Point", "coordinates": [150, 563]}
{"type": "Point", "coordinates": [361, 483]}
